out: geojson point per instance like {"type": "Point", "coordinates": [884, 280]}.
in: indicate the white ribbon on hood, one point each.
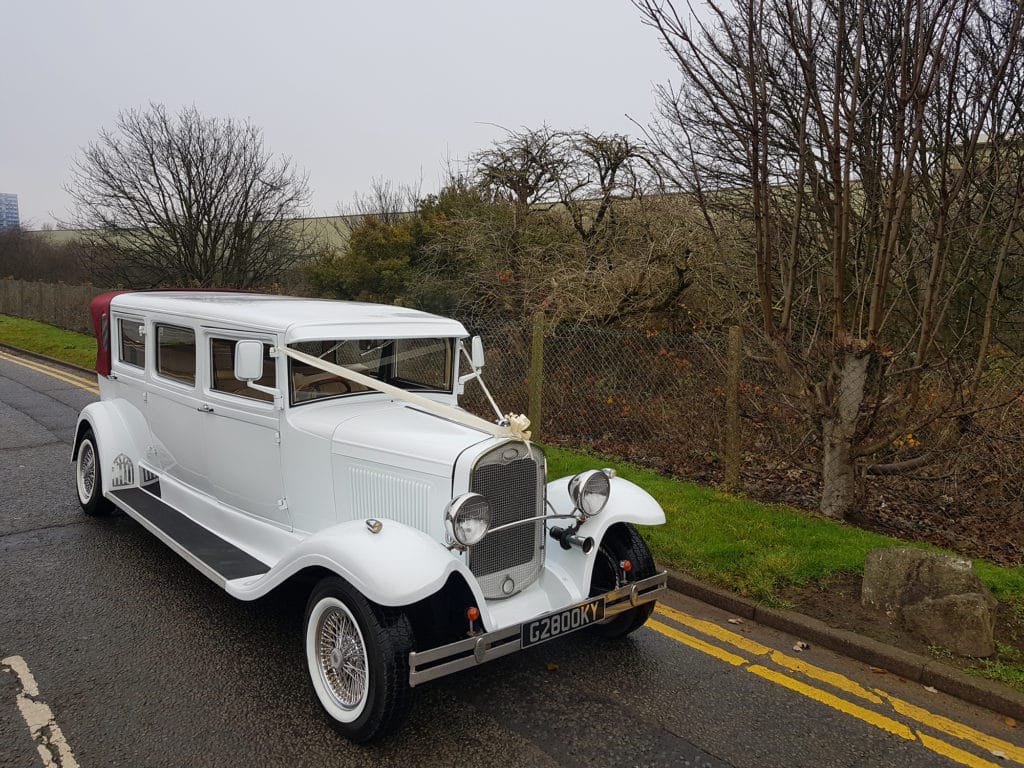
{"type": "Point", "coordinates": [518, 430]}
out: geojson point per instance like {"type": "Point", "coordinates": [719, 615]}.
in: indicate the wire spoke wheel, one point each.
{"type": "Point", "coordinates": [342, 656]}
{"type": "Point", "coordinates": [86, 474]}
{"type": "Point", "coordinates": [358, 658]}
{"type": "Point", "coordinates": [88, 480]}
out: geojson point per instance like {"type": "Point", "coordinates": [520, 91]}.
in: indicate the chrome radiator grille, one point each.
{"type": "Point", "coordinates": [512, 481]}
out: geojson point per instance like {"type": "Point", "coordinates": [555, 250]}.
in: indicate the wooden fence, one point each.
{"type": "Point", "coordinates": [65, 306]}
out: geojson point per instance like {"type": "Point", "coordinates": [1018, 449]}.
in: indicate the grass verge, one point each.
{"type": "Point", "coordinates": [755, 549]}
{"type": "Point", "coordinates": [44, 339]}
{"type": "Point", "coordinates": [760, 549]}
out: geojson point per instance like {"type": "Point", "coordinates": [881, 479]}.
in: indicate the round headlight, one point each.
{"type": "Point", "coordinates": [467, 518]}
{"type": "Point", "coordinates": [589, 491]}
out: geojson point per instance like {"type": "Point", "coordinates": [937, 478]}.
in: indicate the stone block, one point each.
{"type": "Point", "coordinates": [901, 576]}
{"type": "Point", "coordinates": [963, 624]}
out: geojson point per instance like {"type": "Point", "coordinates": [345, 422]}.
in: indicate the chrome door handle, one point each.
{"type": "Point", "coordinates": [205, 408]}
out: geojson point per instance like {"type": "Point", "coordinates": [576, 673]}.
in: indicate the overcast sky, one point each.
{"type": "Point", "coordinates": [351, 91]}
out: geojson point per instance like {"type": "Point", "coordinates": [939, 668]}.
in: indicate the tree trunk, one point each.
{"type": "Point", "coordinates": [839, 481]}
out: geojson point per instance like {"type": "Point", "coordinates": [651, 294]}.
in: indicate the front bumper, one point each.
{"type": "Point", "coordinates": [446, 659]}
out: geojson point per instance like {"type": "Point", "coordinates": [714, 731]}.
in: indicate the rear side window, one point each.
{"type": "Point", "coordinates": [222, 353]}
{"type": "Point", "coordinates": [132, 349]}
{"type": "Point", "coordinates": [176, 353]}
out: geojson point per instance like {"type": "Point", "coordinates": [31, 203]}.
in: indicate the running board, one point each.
{"type": "Point", "coordinates": [218, 559]}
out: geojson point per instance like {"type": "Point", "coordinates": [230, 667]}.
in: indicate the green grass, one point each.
{"type": "Point", "coordinates": [63, 345]}
{"type": "Point", "coordinates": [753, 548]}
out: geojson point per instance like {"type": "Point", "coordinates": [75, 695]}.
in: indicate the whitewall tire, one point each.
{"type": "Point", "coordinates": [358, 659]}
{"type": "Point", "coordinates": [88, 477]}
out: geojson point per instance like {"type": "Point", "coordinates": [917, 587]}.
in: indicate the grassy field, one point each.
{"type": "Point", "coordinates": [71, 347]}
{"type": "Point", "coordinates": [753, 548]}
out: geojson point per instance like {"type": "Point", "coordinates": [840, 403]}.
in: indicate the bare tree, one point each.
{"type": "Point", "coordinates": [559, 220]}
{"type": "Point", "coordinates": [28, 255]}
{"type": "Point", "coordinates": [864, 155]}
{"type": "Point", "coordinates": [188, 199]}
{"type": "Point", "coordinates": [386, 201]}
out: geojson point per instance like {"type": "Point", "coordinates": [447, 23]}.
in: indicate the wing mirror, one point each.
{"type": "Point", "coordinates": [249, 367]}
{"type": "Point", "coordinates": [477, 353]}
{"type": "Point", "coordinates": [249, 361]}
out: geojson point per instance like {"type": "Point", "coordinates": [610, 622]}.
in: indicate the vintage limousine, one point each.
{"type": "Point", "coordinates": [267, 439]}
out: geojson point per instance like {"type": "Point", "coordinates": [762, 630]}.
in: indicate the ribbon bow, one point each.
{"type": "Point", "coordinates": [519, 426]}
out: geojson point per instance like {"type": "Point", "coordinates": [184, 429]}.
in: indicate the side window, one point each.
{"type": "Point", "coordinates": [176, 353]}
{"type": "Point", "coordinates": [132, 348]}
{"type": "Point", "coordinates": [222, 356]}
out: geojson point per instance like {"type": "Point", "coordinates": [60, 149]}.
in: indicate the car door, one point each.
{"type": "Point", "coordinates": [174, 407]}
{"type": "Point", "coordinates": [241, 432]}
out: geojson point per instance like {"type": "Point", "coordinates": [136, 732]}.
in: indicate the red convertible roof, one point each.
{"type": "Point", "coordinates": [99, 308]}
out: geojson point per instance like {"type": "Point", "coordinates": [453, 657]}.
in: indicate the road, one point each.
{"type": "Point", "coordinates": [136, 659]}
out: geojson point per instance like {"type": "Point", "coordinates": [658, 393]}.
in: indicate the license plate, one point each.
{"type": "Point", "coordinates": [562, 622]}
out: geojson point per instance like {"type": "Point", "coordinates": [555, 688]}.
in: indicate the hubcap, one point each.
{"type": "Point", "coordinates": [86, 471]}
{"type": "Point", "coordinates": [342, 657]}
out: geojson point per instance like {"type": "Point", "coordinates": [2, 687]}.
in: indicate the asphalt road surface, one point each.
{"type": "Point", "coordinates": [115, 652]}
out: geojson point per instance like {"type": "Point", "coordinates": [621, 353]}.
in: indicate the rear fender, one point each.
{"type": "Point", "coordinates": [120, 430]}
{"type": "Point", "coordinates": [396, 567]}
{"type": "Point", "coordinates": [627, 503]}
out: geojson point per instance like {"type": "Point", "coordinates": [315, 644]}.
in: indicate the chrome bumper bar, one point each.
{"type": "Point", "coordinates": [446, 659]}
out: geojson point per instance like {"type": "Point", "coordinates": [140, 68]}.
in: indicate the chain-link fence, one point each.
{"type": "Point", "coordinates": [652, 397]}
{"type": "Point", "coordinates": [660, 399]}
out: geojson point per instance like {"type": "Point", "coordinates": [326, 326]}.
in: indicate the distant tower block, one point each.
{"type": "Point", "coordinates": [9, 218]}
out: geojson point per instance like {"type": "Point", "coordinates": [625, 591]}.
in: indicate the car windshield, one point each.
{"type": "Point", "coordinates": [422, 365]}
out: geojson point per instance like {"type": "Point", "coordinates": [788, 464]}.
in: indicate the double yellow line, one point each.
{"type": "Point", "coordinates": [998, 748]}
{"type": "Point", "coordinates": [57, 373]}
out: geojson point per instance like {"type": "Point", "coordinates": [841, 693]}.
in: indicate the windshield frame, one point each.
{"type": "Point", "coordinates": [389, 367]}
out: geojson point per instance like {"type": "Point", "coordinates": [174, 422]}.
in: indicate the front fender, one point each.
{"type": "Point", "coordinates": [396, 567]}
{"type": "Point", "coordinates": [627, 503]}
{"type": "Point", "coordinates": [119, 429]}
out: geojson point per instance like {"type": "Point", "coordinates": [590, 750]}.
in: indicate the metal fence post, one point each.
{"type": "Point", "coordinates": [536, 374]}
{"type": "Point", "coordinates": [732, 410]}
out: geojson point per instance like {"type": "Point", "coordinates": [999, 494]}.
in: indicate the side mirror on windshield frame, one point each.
{"type": "Point", "coordinates": [249, 367]}
{"type": "Point", "coordinates": [249, 361]}
{"type": "Point", "coordinates": [477, 353]}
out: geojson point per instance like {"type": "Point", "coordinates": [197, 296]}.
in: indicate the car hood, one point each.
{"type": "Point", "coordinates": [398, 434]}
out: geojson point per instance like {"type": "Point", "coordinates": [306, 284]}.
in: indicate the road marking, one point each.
{"type": "Point", "coordinates": [991, 744]}
{"type": "Point", "coordinates": [831, 700]}
{"type": "Point", "coordinates": [953, 728]}
{"type": "Point", "coordinates": [50, 742]}
{"type": "Point", "coordinates": [696, 643]}
{"type": "Point", "coordinates": [55, 373]}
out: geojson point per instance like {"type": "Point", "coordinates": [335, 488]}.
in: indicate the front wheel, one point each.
{"type": "Point", "coordinates": [621, 542]}
{"type": "Point", "coordinates": [358, 658]}
{"type": "Point", "coordinates": [88, 480]}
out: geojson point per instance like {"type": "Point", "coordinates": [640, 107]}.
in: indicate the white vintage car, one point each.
{"type": "Point", "coordinates": [267, 439]}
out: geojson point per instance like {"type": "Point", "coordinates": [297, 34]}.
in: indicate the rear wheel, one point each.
{"type": "Point", "coordinates": [358, 658]}
{"type": "Point", "coordinates": [621, 542]}
{"type": "Point", "coordinates": [88, 480]}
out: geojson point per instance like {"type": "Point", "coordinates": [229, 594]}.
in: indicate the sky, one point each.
{"type": "Point", "coordinates": [350, 91]}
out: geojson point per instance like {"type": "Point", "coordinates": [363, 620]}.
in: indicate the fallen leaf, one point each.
{"type": "Point", "coordinates": [877, 670]}
{"type": "Point", "coordinates": [801, 646]}
{"type": "Point", "coordinates": [552, 667]}
{"type": "Point", "coordinates": [931, 689]}
{"type": "Point", "coordinates": [1010, 722]}
{"type": "Point", "coordinates": [999, 753]}
{"type": "Point", "coordinates": [735, 621]}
